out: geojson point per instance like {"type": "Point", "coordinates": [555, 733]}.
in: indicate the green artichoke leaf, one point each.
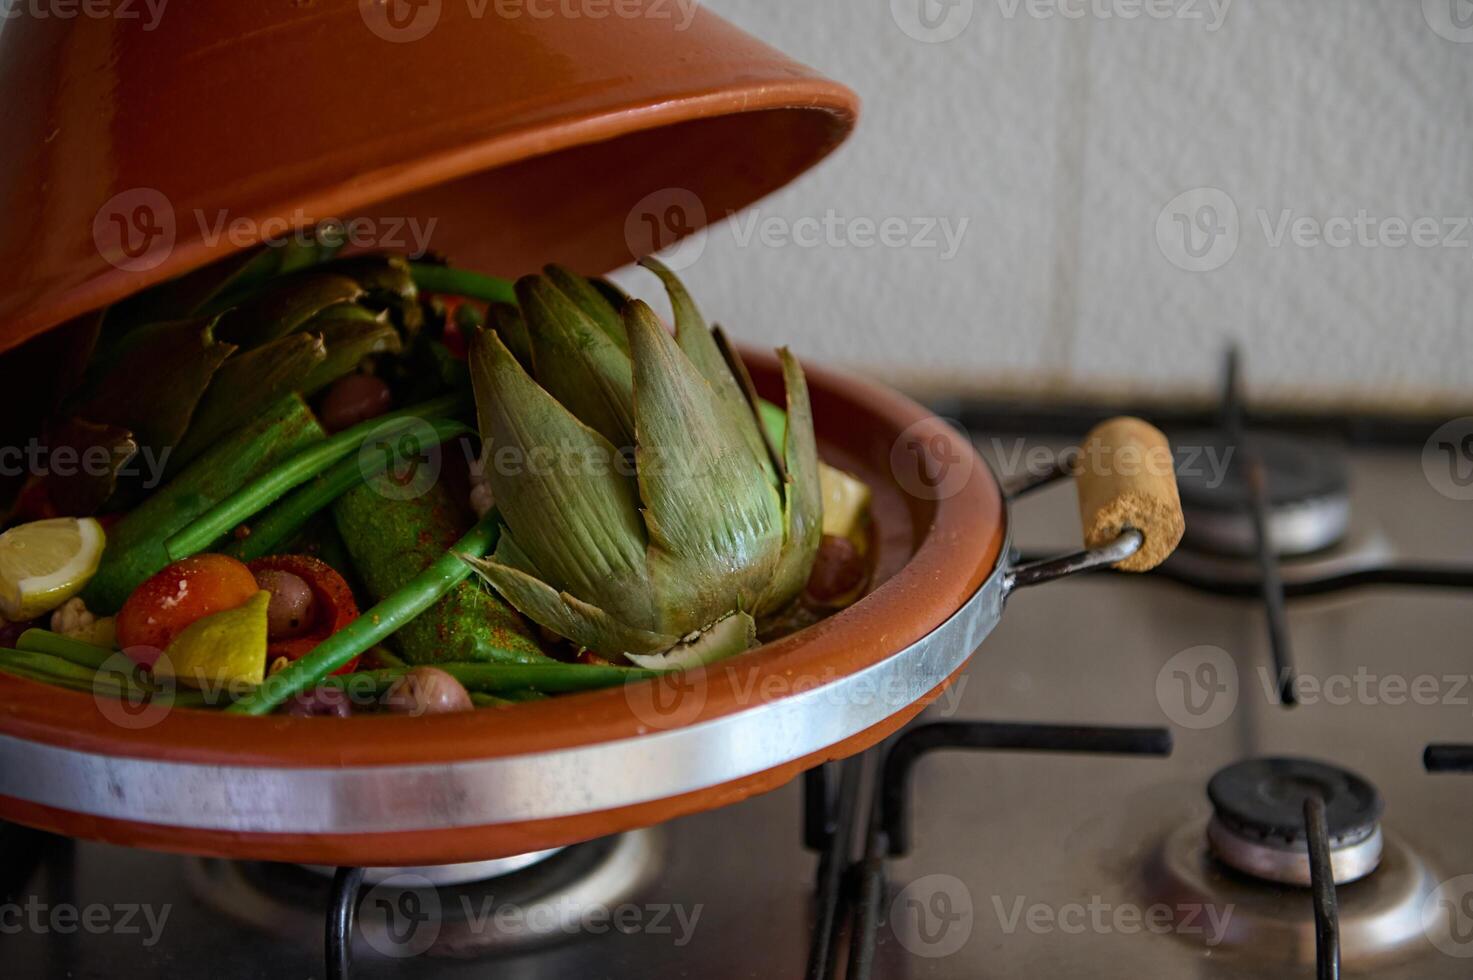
{"type": "Point", "coordinates": [803, 493]}
{"type": "Point", "coordinates": [733, 635]}
{"type": "Point", "coordinates": [152, 382]}
{"type": "Point", "coordinates": [566, 615]}
{"type": "Point", "coordinates": [577, 362]}
{"type": "Point", "coordinates": [284, 307]}
{"type": "Point", "coordinates": [592, 302]}
{"type": "Point", "coordinates": [248, 384]}
{"type": "Point", "coordinates": [616, 296]}
{"type": "Point", "coordinates": [240, 276]}
{"type": "Point", "coordinates": [205, 292]}
{"type": "Point", "coordinates": [510, 554]}
{"type": "Point", "coordinates": [561, 488]}
{"type": "Point", "coordinates": [714, 519]}
{"type": "Point", "coordinates": [350, 333]}
{"type": "Point", "coordinates": [699, 344]}
{"type": "Point", "coordinates": [511, 327]}
{"type": "Point", "coordinates": [738, 367]}
{"type": "Point", "coordinates": [84, 490]}
{"type": "Point", "coordinates": [388, 284]}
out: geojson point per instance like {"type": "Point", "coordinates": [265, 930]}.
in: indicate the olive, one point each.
{"type": "Point", "coordinates": [353, 399]}
{"type": "Point", "coordinates": [427, 691]}
{"type": "Point", "coordinates": [293, 606]}
{"type": "Point", "coordinates": [837, 571]}
{"type": "Point", "coordinates": [323, 702]}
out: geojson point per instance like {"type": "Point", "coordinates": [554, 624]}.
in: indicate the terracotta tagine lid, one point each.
{"type": "Point", "coordinates": [505, 133]}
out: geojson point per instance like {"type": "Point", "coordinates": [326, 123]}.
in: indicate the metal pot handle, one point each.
{"type": "Point", "coordinates": [1128, 503]}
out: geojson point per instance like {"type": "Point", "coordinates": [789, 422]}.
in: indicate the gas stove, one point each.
{"type": "Point", "coordinates": [1237, 767]}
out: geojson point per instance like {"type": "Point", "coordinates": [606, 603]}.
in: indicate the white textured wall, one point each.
{"type": "Point", "coordinates": [1060, 139]}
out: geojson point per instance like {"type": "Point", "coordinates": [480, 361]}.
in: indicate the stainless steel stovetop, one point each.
{"type": "Point", "coordinates": [1023, 865]}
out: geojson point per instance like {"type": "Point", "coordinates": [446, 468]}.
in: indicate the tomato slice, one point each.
{"type": "Point", "coordinates": [333, 599]}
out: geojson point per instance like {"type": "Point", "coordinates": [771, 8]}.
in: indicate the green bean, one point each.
{"type": "Point", "coordinates": [59, 672]}
{"type": "Point", "coordinates": [50, 665]}
{"type": "Point", "coordinates": [65, 683]}
{"type": "Point", "coordinates": [44, 668]}
{"type": "Point", "coordinates": [263, 491]}
{"type": "Point", "coordinates": [292, 514]}
{"type": "Point", "coordinates": [417, 595]}
{"type": "Point", "coordinates": [431, 278]}
{"type": "Point", "coordinates": [45, 641]}
{"type": "Point", "coordinates": [518, 680]}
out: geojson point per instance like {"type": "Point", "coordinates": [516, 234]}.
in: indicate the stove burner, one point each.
{"type": "Point", "coordinates": [447, 874]}
{"type": "Point", "coordinates": [1308, 495]}
{"type": "Point", "coordinates": [537, 904]}
{"type": "Point", "coordinates": [1258, 819]}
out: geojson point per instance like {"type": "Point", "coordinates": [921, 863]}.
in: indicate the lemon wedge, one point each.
{"type": "Point", "coordinates": [224, 648]}
{"type": "Point", "coordinates": [845, 500]}
{"type": "Point", "coordinates": [45, 563]}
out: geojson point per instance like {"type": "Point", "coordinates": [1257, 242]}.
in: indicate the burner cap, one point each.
{"type": "Point", "coordinates": [1258, 819]}
{"type": "Point", "coordinates": [1308, 494]}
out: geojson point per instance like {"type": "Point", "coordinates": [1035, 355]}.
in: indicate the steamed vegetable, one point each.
{"type": "Point", "coordinates": [325, 604]}
{"type": "Point", "coordinates": [640, 503]}
{"type": "Point", "coordinates": [183, 593]}
{"type": "Point", "coordinates": [220, 650]}
{"type": "Point", "coordinates": [136, 546]}
{"type": "Point", "coordinates": [520, 682]}
{"type": "Point", "coordinates": [291, 514]}
{"type": "Point", "coordinates": [45, 641]}
{"type": "Point", "coordinates": [391, 540]}
{"type": "Point", "coordinates": [265, 489]}
{"type": "Point", "coordinates": [458, 282]}
{"type": "Point", "coordinates": [417, 595]}
{"type": "Point", "coordinates": [707, 522]}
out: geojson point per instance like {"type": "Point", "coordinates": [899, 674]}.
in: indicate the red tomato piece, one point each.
{"type": "Point", "coordinates": [188, 590]}
{"type": "Point", "coordinates": [333, 605]}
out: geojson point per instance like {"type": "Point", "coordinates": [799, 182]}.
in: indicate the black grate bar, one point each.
{"type": "Point", "coordinates": [832, 864]}
{"type": "Point", "coordinates": [909, 747]}
{"type": "Point", "coordinates": [864, 939]}
{"type": "Point", "coordinates": [1322, 884]}
{"type": "Point", "coordinates": [1425, 576]}
{"type": "Point", "coordinates": [817, 809]}
{"type": "Point", "coordinates": [1270, 581]}
{"type": "Point", "coordinates": [342, 909]}
{"type": "Point", "coordinates": [888, 832]}
{"type": "Point", "coordinates": [1448, 758]}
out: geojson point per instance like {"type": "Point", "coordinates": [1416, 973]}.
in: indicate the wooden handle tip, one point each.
{"type": "Point", "coordinates": [1127, 479]}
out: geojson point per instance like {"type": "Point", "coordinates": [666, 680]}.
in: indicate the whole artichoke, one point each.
{"type": "Point", "coordinates": [644, 501]}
